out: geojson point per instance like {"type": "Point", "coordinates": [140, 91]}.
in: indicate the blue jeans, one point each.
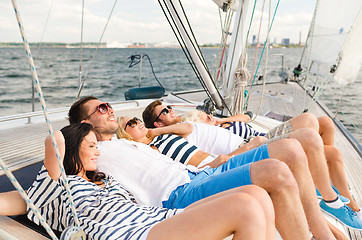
{"type": "Point", "coordinates": [234, 173]}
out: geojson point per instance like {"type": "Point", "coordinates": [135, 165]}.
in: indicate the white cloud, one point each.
{"type": "Point", "coordinates": [138, 21]}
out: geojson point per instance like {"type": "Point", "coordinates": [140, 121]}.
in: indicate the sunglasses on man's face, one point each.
{"type": "Point", "coordinates": [164, 111]}
{"type": "Point", "coordinates": [102, 108]}
{"type": "Point", "coordinates": [132, 123]}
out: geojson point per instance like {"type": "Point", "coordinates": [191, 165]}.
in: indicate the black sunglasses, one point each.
{"type": "Point", "coordinates": [102, 108]}
{"type": "Point", "coordinates": [132, 122]}
{"type": "Point", "coordinates": [164, 111]}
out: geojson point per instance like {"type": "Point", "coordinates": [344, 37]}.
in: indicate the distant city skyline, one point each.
{"type": "Point", "coordinates": [141, 22]}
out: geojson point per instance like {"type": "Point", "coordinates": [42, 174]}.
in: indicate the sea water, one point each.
{"type": "Point", "coordinates": [108, 76]}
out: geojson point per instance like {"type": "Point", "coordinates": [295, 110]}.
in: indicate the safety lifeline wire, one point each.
{"type": "Point", "coordinates": [45, 111]}
{"type": "Point", "coordinates": [27, 200]}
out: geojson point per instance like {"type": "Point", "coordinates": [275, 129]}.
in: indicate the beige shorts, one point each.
{"type": "Point", "coordinates": [279, 132]}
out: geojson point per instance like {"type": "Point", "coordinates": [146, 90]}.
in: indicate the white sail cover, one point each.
{"type": "Point", "coordinates": [350, 57]}
{"type": "Point", "coordinates": [332, 23]}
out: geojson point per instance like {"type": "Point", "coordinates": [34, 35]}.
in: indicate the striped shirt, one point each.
{"type": "Point", "coordinates": [243, 130]}
{"type": "Point", "coordinates": [175, 147]}
{"type": "Point", "coordinates": [104, 213]}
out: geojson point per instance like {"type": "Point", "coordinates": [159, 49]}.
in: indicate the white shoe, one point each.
{"type": "Point", "coordinates": [359, 214]}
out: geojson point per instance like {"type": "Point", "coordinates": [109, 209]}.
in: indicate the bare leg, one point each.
{"type": "Point", "coordinates": [235, 213]}
{"type": "Point", "coordinates": [260, 194]}
{"type": "Point", "coordinates": [276, 178]}
{"type": "Point", "coordinates": [314, 149]}
{"type": "Point", "coordinates": [291, 152]}
{"type": "Point", "coordinates": [326, 130]}
{"type": "Point", "coordinates": [335, 160]}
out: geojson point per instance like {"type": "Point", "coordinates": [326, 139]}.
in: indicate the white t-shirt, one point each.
{"type": "Point", "coordinates": [147, 174]}
{"type": "Point", "coordinates": [213, 139]}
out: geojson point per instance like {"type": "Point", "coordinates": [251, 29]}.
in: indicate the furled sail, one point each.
{"type": "Point", "coordinates": [330, 27]}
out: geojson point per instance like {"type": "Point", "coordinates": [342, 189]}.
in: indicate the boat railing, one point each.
{"type": "Point", "coordinates": [62, 112]}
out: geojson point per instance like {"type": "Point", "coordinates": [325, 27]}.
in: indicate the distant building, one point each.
{"type": "Point", "coordinates": [254, 40]}
{"type": "Point", "coordinates": [285, 41]}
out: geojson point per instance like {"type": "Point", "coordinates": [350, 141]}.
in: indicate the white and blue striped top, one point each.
{"type": "Point", "coordinates": [175, 147]}
{"type": "Point", "coordinates": [243, 130]}
{"type": "Point", "coordinates": [104, 213]}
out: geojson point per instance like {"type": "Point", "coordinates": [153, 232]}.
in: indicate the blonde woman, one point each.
{"type": "Point", "coordinates": [174, 146]}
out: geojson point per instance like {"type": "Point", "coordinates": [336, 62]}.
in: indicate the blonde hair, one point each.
{"type": "Point", "coordinates": [192, 116]}
{"type": "Point", "coordinates": [121, 133]}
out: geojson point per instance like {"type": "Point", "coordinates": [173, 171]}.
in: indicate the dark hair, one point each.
{"type": "Point", "coordinates": [77, 112]}
{"type": "Point", "coordinates": [149, 114]}
{"type": "Point", "coordinates": [74, 135]}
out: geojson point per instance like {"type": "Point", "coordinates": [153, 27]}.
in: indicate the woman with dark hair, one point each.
{"type": "Point", "coordinates": [108, 211]}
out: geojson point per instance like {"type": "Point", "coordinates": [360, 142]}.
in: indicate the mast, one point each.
{"type": "Point", "coordinates": [237, 48]}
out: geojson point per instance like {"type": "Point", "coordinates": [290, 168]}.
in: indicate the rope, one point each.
{"type": "Point", "coordinates": [45, 25]}
{"type": "Point", "coordinates": [40, 94]}
{"type": "Point", "coordinates": [81, 45]}
{"type": "Point", "coordinates": [27, 199]}
{"type": "Point", "coordinates": [224, 36]}
{"type": "Point", "coordinates": [261, 56]}
{"type": "Point", "coordinates": [183, 45]}
{"type": "Point", "coordinates": [99, 42]}
{"type": "Point", "coordinates": [339, 101]}
{"type": "Point", "coordinates": [139, 57]}
{"type": "Point", "coordinates": [266, 64]}
{"type": "Point", "coordinates": [257, 42]}
{"type": "Point", "coordinates": [241, 78]}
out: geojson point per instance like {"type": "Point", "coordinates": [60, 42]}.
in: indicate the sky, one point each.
{"type": "Point", "coordinates": [140, 21]}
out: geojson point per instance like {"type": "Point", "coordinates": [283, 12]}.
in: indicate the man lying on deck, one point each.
{"type": "Point", "coordinates": [300, 128]}
{"type": "Point", "coordinates": [334, 158]}
{"type": "Point", "coordinates": [157, 180]}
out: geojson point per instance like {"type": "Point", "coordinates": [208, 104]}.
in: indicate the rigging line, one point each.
{"type": "Point", "coordinates": [182, 43]}
{"type": "Point", "coordinates": [233, 52]}
{"type": "Point", "coordinates": [198, 51]}
{"type": "Point", "coordinates": [310, 31]}
{"type": "Point", "coordinates": [225, 34]}
{"type": "Point", "coordinates": [266, 63]}
{"type": "Point", "coordinates": [309, 62]}
{"type": "Point", "coordinates": [251, 20]}
{"type": "Point", "coordinates": [339, 102]}
{"type": "Point", "coordinates": [99, 42]}
{"type": "Point", "coordinates": [178, 37]}
{"type": "Point", "coordinates": [261, 56]}
{"type": "Point", "coordinates": [45, 111]}
{"type": "Point", "coordinates": [318, 91]}
{"type": "Point", "coordinates": [45, 25]}
{"type": "Point", "coordinates": [195, 44]}
{"type": "Point", "coordinates": [257, 43]}
{"type": "Point", "coordinates": [81, 45]}
{"type": "Point", "coordinates": [29, 203]}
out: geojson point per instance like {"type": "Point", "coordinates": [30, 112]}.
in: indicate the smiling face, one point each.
{"type": "Point", "coordinates": [135, 128]}
{"type": "Point", "coordinates": [165, 119]}
{"type": "Point", "coordinates": [88, 153]}
{"type": "Point", "coordinates": [104, 123]}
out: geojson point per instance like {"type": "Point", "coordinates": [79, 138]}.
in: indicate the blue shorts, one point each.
{"type": "Point", "coordinates": [234, 173]}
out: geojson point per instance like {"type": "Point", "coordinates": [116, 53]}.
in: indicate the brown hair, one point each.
{"type": "Point", "coordinates": [149, 115]}
{"type": "Point", "coordinates": [77, 113]}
